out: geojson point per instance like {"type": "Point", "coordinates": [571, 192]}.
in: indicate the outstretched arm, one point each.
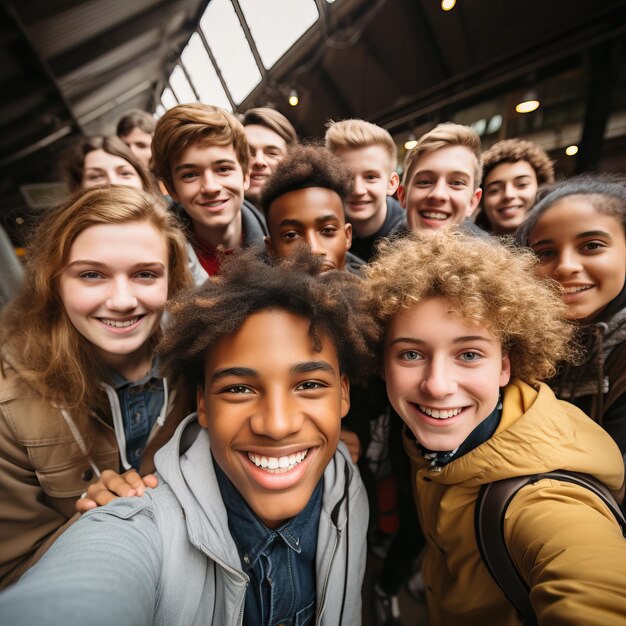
{"type": "Point", "coordinates": [104, 570]}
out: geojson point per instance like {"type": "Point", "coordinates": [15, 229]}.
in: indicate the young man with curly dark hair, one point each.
{"type": "Point", "coordinates": [303, 202]}
{"type": "Point", "coordinates": [260, 516]}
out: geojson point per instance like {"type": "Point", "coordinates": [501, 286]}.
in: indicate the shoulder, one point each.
{"type": "Point", "coordinates": [253, 222]}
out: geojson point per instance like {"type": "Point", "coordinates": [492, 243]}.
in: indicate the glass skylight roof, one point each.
{"type": "Point", "coordinates": [274, 27]}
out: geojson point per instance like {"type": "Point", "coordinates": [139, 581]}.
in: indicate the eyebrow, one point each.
{"type": "Point", "coordinates": [455, 173]}
{"type": "Point", "coordinates": [297, 368]}
{"type": "Point", "coordinates": [318, 220]}
{"type": "Point", "coordinates": [185, 166]}
{"type": "Point", "coordinates": [90, 263]}
{"type": "Point", "coordinates": [499, 181]}
{"type": "Point", "coordinates": [587, 233]}
{"type": "Point", "coordinates": [421, 342]}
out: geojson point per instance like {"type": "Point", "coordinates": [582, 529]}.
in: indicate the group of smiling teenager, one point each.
{"type": "Point", "coordinates": [257, 513]}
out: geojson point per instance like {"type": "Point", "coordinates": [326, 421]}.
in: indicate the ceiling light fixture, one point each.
{"type": "Point", "coordinates": [571, 150]}
{"type": "Point", "coordinates": [528, 103]}
{"type": "Point", "coordinates": [411, 141]}
{"type": "Point", "coordinates": [293, 97]}
{"type": "Point", "coordinates": [448, 5]}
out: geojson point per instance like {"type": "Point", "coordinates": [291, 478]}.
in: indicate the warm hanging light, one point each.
{"type": "Point", "coordinates": [571, 150]}
{"type": "Point", "coordinates": [411, 142]}
{"type": "Point", "coordinates": [293, 97]}
{"type": "Point", "coordinates": [529, 102]}
{"type": "Point", "coordinates": [448, 5]}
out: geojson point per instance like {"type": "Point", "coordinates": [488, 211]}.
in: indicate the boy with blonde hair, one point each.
{"type": "Point", "coordinates": [441, 179]}
{"type": "Point", "coordinates": [370, 153]}
{"type": "Point", "coordinates": [201, 154]}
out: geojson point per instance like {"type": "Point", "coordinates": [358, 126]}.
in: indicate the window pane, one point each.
{"type": "Point", "coordinates": [168, 99]}
{"type": "Point", "coordinates": [275, 35]}
{"type": "Point", "coordinates": [180, 86]}
{"type": "Point", "coordinates": [159, 111]}
{"type": "Point", "coordinates": [229, 46]}
{"type": "Point", "coordinates": [203, 75]}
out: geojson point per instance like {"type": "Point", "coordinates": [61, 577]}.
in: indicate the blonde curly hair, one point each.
{"type": "Point", "coordinates": [484, 281]}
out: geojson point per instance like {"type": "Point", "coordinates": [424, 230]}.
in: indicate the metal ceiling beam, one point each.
{"type": "Point", "coordinates": [216, 67]}
{"type": "Point", "coordinates": [115, 37]}
{"type": "Point", "coordinates": [42, 64]}
{"type": "Point", "coordinates": [250, 39]}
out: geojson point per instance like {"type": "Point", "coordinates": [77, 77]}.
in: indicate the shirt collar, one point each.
{"type": "Point", "coordinates": [117, 381]}
{"type": "Point", "coordinates": [251, 535]}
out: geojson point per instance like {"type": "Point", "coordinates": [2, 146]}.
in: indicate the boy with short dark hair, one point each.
{"type": "Point", "coordinates": [201, 154]}
{"type": "Point", "coordinates": [441, 179]}
{"type": "Point", "coordinates": [270, 135]}
{"type": "Point", "coordinates": [259, 517]}
{"type": "Point", "coordinates": [303, 202]}
{"type": "Point", "coordinates": [370, 153]}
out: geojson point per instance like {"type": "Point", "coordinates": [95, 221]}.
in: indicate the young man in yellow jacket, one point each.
{"type": "Point", "coordinates": [468, 334]}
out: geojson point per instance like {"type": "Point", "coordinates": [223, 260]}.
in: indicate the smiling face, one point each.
{"type": "Point", "coordinates": [267, 150]}
{"type": "Point", "coordinates": [272, 406]}
{"type": "Point", "coordinates": [101, 168]}
{"type": "Point", "coordinates": [313, 216]}
{"type": "Point", "coordinates": [140, 143]}
{"type": "Point", "coordinates": [443, 373]}
{"type": "Point", "coordinates": [209, 183]}
{"type": "Point", "coordinates": [440, 191]}
{"type": "Point", "coordinates": [583, 250]}
{"type": "Point", "coordinates": [510, 191]}
{"type": "Point", "coordinates": [113, 289]}
{"type": "Point", "coordinates": [374, 180]}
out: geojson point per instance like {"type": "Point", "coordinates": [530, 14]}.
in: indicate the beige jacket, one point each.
{"type": "Point", "coordinates": [43, 470]}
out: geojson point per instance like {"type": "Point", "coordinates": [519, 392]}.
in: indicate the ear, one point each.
{"type": "Point", "coordinates": [345, 395]}
{"type": "Point", "coordinates": [348, 231]}
{"type": "Point", "coordinates": [394, 182]}
{"type": "Point", "coordinates": [401, 195]}
{"type": "Point", "coordinates": [202, 416]}
{"type": "Point", "coordinates": [473, 205]}
{"type": "Point", "coordinates": [246, 180]}
{"type": "Point", "coordinates": [172, 191]}
{"type": "Point", "coordinates": [269, 246]}
{"type": "Point", "coordinates": [505, 372]}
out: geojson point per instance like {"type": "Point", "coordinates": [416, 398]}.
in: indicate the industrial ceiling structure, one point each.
{"type": "Point", "coordinates": [72, 67]}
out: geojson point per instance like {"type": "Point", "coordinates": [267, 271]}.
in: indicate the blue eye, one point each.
{"type": "Point", "coordinates": [92, 275]}
{"type": "Point", "coordinates": [470, 357]}
{"type": "Point", "coordinates": [410, 355]}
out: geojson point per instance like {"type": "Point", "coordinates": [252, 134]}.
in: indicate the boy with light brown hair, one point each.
{"type": "Point", "coordinates": [370, 153]}
{"type": "Point", "coordinates": [441, 179]}
{"type": "Point", "coordinates": [201, 154]}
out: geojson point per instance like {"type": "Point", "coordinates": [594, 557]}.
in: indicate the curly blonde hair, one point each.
{"type": "Point", "coordinates": [486, 282]}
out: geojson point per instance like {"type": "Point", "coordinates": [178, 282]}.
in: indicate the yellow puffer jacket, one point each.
{"type": "Point", "coordinates": [563, 539]}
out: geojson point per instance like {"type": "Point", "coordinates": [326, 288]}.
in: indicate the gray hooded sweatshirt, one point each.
{"type": "Point", "coordinates": [169, 558]}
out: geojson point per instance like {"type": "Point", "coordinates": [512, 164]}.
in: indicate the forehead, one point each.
{"type": "Point", "coordinates": [201, 152]}
{"type": "Point", "coordinates": [307, 205]}
{"type": "Point", "coordinates": [136, 134]}
{"type": "Point", "coordinates": [373, 157]}
{"type": "Point", "coordinates": [572, 215]}
{"type": "Point", "coordinates": [260, 137]}
{"type": "Point", "coordinates": [509, 171]}
{"type": "Point", "coordinates": [101, 159]}
{"type": "Point", "coordinates": [139, 240]}
{"type": "Point", "coordinates": [270, 341]}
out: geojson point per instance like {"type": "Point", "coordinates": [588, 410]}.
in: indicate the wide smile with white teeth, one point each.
{"type": "Point", "coordinates": [434, 215]}
{"type": "Point", "coordinates": [278, 465]}
{"type": "Point", "coordinates": [119, 323]}
{"type": "Point", "coordinates": [214, 203]}
{"type": "Point", "coordinates": [439, 414]}
{"type": "Point", "coordinates": [568, 290]}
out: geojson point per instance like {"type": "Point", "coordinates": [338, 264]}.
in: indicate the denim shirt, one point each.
{"type": "Point", "coordinates": [140, 403]}
{"type": "Point", "coordinates": [280, 563]}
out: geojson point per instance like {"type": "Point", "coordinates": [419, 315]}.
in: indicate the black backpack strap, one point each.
{"type": "Point", "coordinates": [491, 505]}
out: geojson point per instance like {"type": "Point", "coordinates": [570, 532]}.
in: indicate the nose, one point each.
{"type": "Point", "coordinates": [277, 417]}
{"type": "Point", "coordinates": [440, 189]}
{"type": "Point", "coordinates": [259, 160]}
{"type": "Point", "coordinates": [121, 297]}
{"type": "Point", "coordinates": [210, 183]}
{"type": "Point", "coordinates": [312, 240]}
{"type": "Point", "coordinates": [568, 263]}
{"type": "Point", "coordinates": [359, 187]}
{"type": "Point", "coordinates": [509, 190]}
{"type": "Point", "coordinates": [438, 381]}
